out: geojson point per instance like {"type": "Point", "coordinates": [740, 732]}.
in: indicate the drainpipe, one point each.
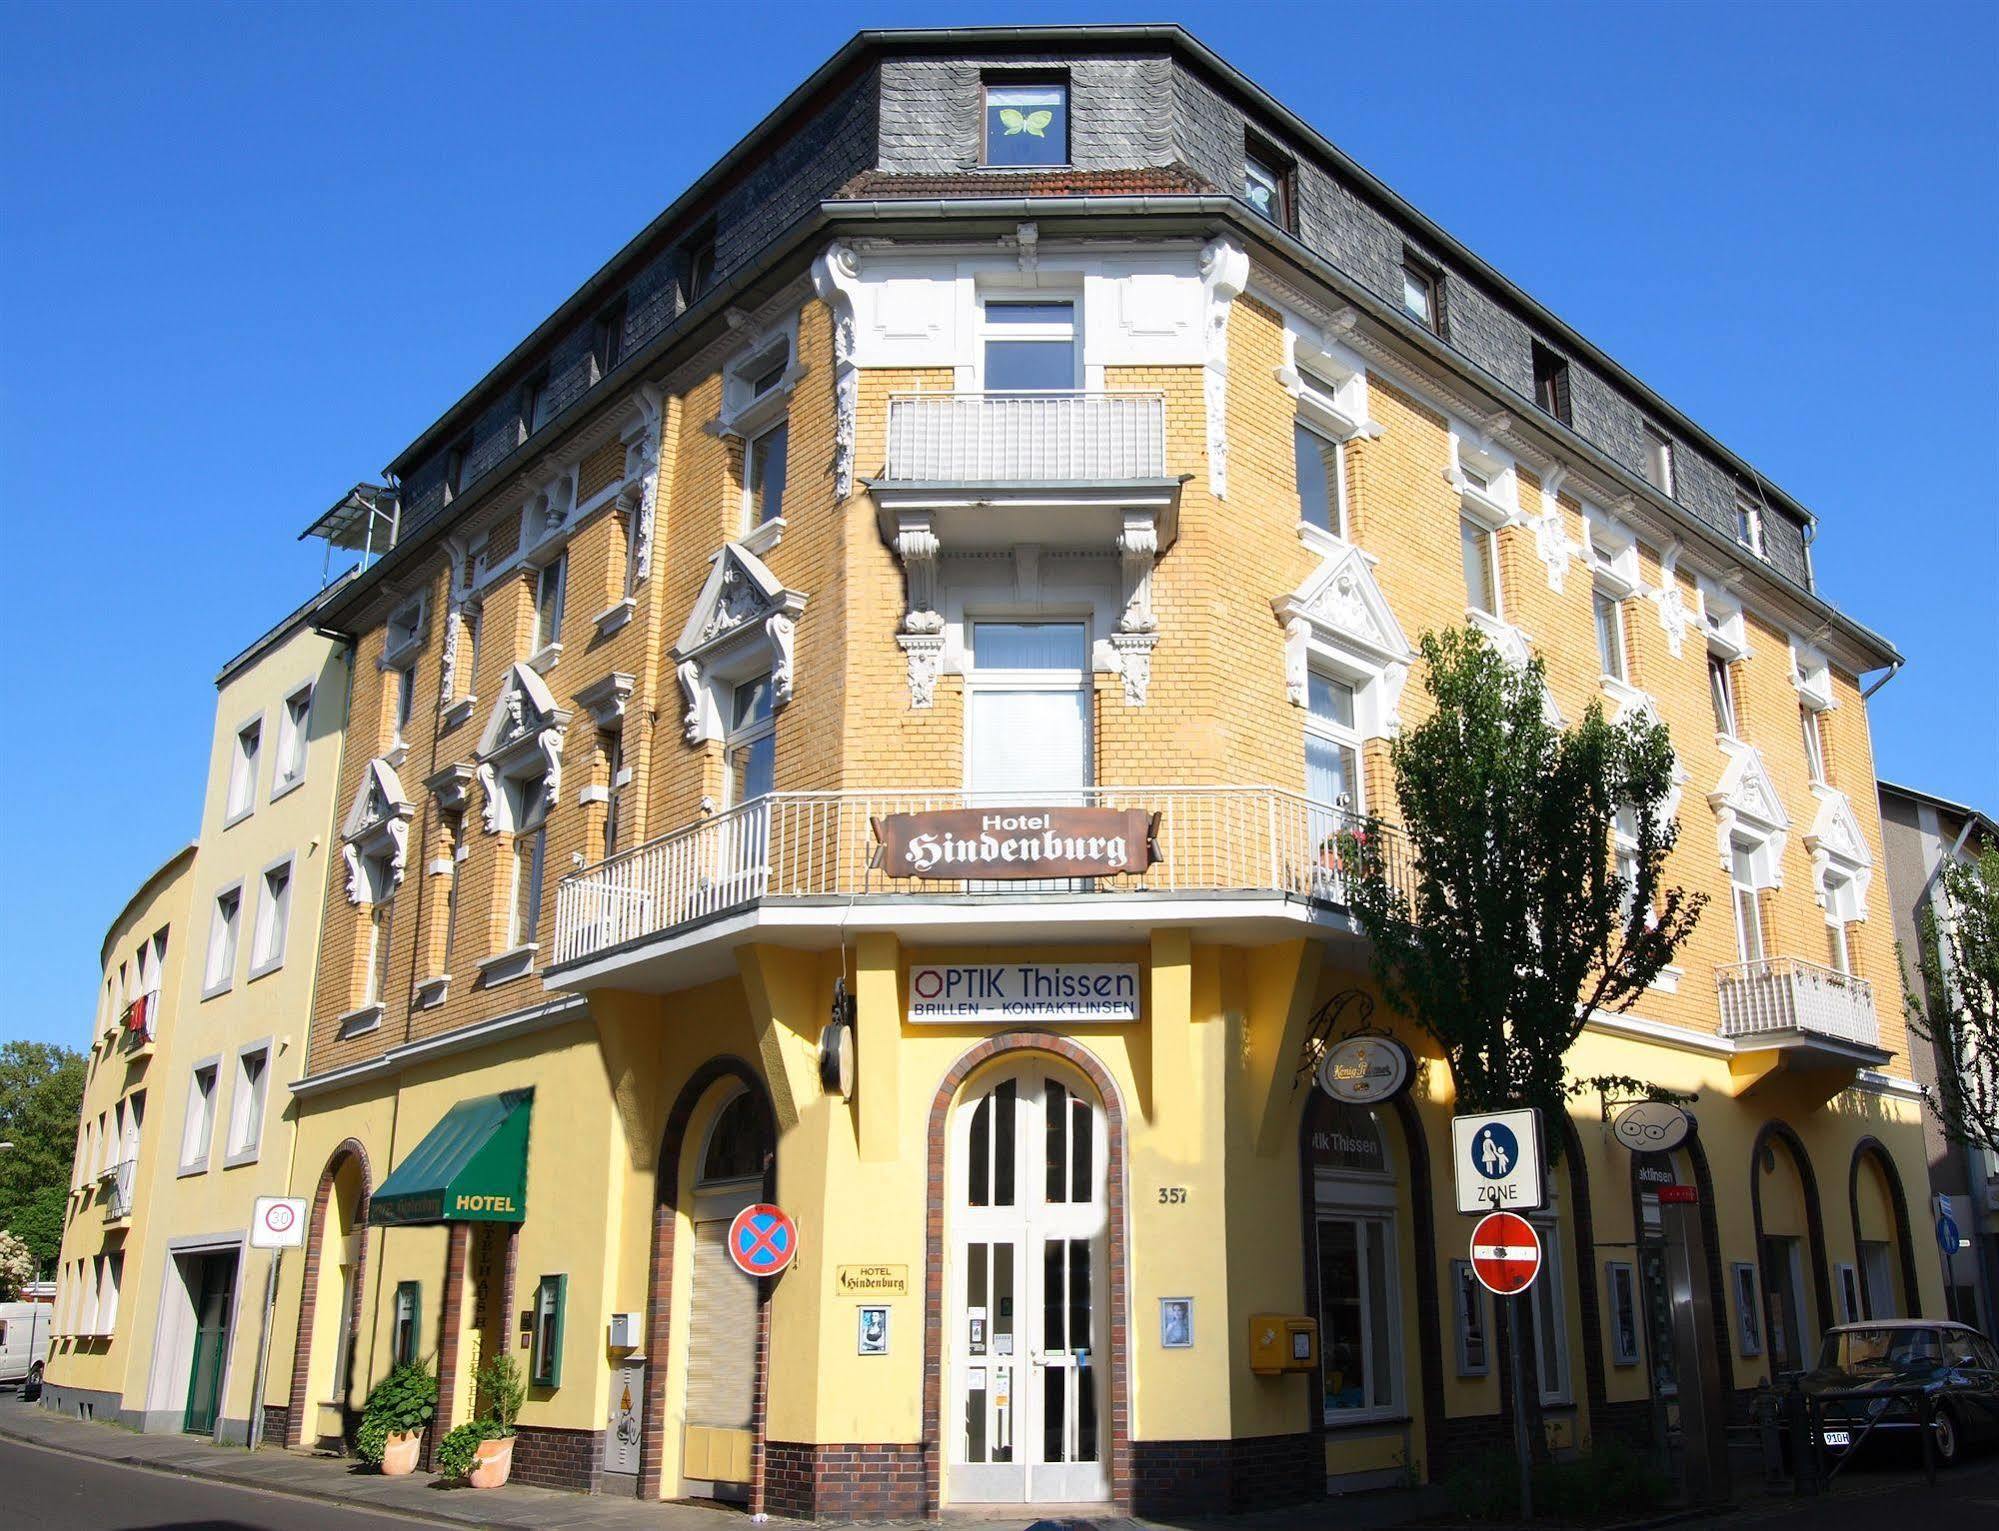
{"type": "Point", "coordinates": [1893, 670]}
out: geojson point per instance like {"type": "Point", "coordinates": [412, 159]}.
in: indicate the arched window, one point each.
{"type": "Point", "coordinates": [1355, 1260]}
{"type": "Point", "coordinates": [735, 1148]}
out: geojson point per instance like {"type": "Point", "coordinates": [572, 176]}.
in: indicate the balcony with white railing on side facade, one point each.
{"type": "Point", "coordinates": [122, 1183]}
{"type": "Point", "coordinates": [1778, 999]}
{"type": "Point", "coordinates": [1221, 843]}
{"type": "Point", "coordinates": [1013, 438]}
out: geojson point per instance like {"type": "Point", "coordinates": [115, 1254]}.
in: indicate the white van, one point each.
{"type": "Point", "coordinates": [24, 1341]}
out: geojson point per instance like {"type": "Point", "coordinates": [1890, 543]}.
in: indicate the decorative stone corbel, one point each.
{"type": "Point", "coordinates": [1138, 552]}
{"type": "Point", "coordinates": [1026, 239]}
{"type": "Point", "coordinates": [1134, 662]}
{"type": "Point", "coordinates": [917, 546]}
{"type": "Point", "coordinates": [781, 630]}
{"type": "Point", "coordinates": [836, 278]}
{"type": "Point", "coordinates": [606, 699]}
{"type": "Point", "coordinates": [1674, 618]}
{"type": "Point", "coordinates": [924, 653]}
{"type": "Point", "coordinates": [640, 494]}
{"type": "Point", "coordinates": [689, 673]}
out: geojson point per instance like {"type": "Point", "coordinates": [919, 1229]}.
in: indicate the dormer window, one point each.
{"type": "Point", "coordinates": [701, 264]}
{"type": "Point", "coordinates": [1658, 458]}
{"type": "Point", "coordinates": [454, 468]}
{"type": "Point", "coordinates": [1423, 292]}
{"type": "Point", "coordinates": [1027, 122]}
{"type": "Point", "coordinates": [1748, 521]}
{"type": "Point", "coordinates": [537, 405]}
{"type": "Point", "coordinates": [1551, 382]}
{"type": "Point", "coordinates": [608, 343]}
{"type": "Point", "coordinates": [1266, 184]}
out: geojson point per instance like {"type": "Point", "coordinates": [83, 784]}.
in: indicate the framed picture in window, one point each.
{"type": "Point", "coordinates": [1468, 1298]}
{"type": "Point", "coordinates": [1176, 1323]}
{"type": "Point", "coordinates": [1621, 1284]}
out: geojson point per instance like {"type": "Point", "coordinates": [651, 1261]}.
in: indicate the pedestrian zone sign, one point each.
{"type": "Point", "coordinates": [1496, 1161]}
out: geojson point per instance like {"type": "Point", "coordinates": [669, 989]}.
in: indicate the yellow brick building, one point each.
{"type": "Point", "coordinates": [900, 470]}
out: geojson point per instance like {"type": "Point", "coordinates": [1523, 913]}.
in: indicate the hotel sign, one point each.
{"type": "Point", "coordinates": [942, 994]}
{"type": "Point", "coordinates": [1018, 843]}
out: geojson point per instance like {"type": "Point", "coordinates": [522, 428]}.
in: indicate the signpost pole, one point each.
{"type": "Point", "coordinates": [1516, 1312]}
{"type": "Point", "coordinates": [264, 1351]}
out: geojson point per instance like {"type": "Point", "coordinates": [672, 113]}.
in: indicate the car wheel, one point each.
{"type": "Point", "coordinates": [1945, 1438]}
{"type": "Point", "coordinates": [31, 1390]}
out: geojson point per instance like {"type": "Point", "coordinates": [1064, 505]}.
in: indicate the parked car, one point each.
{"type": "Point", "coordinates": [24, 1344]}
{"type": "Point", "coordinates": [1888, 1372]}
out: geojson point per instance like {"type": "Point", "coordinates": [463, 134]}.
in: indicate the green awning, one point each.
{"type": "Point", "coordinates": [472, 1167]}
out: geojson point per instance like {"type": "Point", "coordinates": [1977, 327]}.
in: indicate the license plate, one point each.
{"type": "Point", "coordinates": [1839, 1437]}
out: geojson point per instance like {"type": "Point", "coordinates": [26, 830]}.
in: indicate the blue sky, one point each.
{"type": "Point", "coordinates": [248, 253]}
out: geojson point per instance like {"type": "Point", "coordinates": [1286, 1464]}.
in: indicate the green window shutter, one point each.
{"type": "Point", "coordinates": [551, 1300]}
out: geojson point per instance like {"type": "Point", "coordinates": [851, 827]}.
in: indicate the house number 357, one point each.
{"type": "Point", "coordinates": [1172, 1195]}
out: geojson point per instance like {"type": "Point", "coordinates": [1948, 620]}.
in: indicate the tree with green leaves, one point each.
{"type": "Point", "coordinates": [1519, 920]}
{"type": "Point", "coordinates": [1514, 918]}
{"type": "Point", "coordinates": [41, 1092]}
{"type": "Point", "coordinates": [1955, 1005]}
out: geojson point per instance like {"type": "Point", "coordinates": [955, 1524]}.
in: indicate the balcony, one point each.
{"type": "Point", "coordinates": [1784, 1014]}
{"type": "Point", "coordinates": [802, 868]}
{"type": "Point", "coordinates": [1016, 438]}
{"type": "Point", "coordinates": [122, 1179]}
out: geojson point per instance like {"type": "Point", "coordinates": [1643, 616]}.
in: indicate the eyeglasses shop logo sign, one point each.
{"type": "Point", "coordinates": [944, 993]}
{"type": "Point", "coordinates": [1018, 843]}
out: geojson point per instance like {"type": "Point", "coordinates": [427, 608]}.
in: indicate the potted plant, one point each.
{"type": "Point", "coordinates": [481, 1451]}
{"type": "Point", "coordinates": [394, 1417]}
{"type": "Point", "coordinates": [500, 1383]}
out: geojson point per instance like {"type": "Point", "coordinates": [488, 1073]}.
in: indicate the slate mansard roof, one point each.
{"type": "Point", "coordinates": [886, 134]}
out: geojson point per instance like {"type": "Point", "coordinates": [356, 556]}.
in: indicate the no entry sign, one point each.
{"type": "Point", "coordinates": [762, 1240]}
{"type": "Point", "coordinates": [1505, 1253]}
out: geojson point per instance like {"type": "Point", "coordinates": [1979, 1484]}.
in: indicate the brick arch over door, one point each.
{"type": "Point", "coordinates": [1423, 1233]}
{"type": "Point", "coordinates": [1023, 1042]}
{"type": "Point", "coordinates": [659, 1300]}
{"type": "Point", "coordinates": [308, 1306]}
{"type": "Point", "coordinates": [1905, 1246]}
{"type": "Point", "coordinates": [1777, 1130]}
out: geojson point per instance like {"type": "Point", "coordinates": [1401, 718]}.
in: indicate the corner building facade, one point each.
{"type": "Point", "coordinates": [1044, 421]}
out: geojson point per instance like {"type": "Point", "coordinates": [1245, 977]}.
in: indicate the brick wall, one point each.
{"type": "Point", "coordinates": [805, 1481]}
{"type": "Point", "coordinates": [552, 1458]}
{"type": "Point", "coordinates": [1223, 1476]}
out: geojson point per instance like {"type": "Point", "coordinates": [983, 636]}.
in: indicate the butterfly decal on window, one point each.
{"type": "Point", "coordinates": [1034, 124]}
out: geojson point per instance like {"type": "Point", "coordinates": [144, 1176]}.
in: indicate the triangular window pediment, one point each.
{"type": "Point", "coordinates": [1747, 808]}
{"type": "Point", "coordinates": [1835, 832]}
{"type": "Point", "coordinates": [1339, 618]}
{"type": "Point", "coordinates": [375, 836]}
{"type": "Point", "coordinates": [522, 742]}
{"type": "Point", "coordinates": [739, 595]}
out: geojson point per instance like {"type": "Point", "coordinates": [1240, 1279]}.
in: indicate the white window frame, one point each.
{"type": "Point", "coordinates": [223, 938]}
{"type": "Point", "coordinates": [1660, 469]}
{"type": "Point", "coordinates": [1721, 689]}
{"type": "Point", "coordinates": [1748, 523]}
{"type": "Point", "coordinates": [1739, 888]}
{"type": "Point", "coordinates": [547, 625]}
{"type": "Point", "coordinates": [1811, 734]}
{"type": "Point", "coordinates": [1548, 1225]}
{"type": "Point", "coordinates": [1605, 606]}
{"type": "Point", "coordinates": [1488, 537]}
{"type": "Point", "coordinates": [751, 528]}
{"type": "Point", "coordinates": [270, 932]}
{"type": "Point", "coordinates": [530, 857]}
{"type": "Point", "coordinates": [1371, 1199]}
{"type": "Point", "coordinates": [244, 765]}
{"type": "Point", "coordinates": [1003, 297]}
{"type": "Point", "coordinates": [294, 740]}
{"type": "Point", "coordinates": [1342, 736]}
{"type": "Point", "coordinates": [1336, 480]}
{"type": "Point", "coordinates": [249, 1104]}
{"type": "Point", "coordinates": [196, 1146]}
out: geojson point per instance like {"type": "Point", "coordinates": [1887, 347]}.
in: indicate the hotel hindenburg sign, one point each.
{"type": "Point", "coordinates": [1018, 843]}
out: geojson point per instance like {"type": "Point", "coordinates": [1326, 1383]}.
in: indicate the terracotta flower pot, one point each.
{"type": "Point", "coordinates": [494, 1461]}
{"type": "Point", "coordinates": [399, 1453]}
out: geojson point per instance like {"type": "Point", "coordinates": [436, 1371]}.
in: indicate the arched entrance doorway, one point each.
{"type": "Point", "coordinates": [1027, 1276]}
{"type": "Point", "coordinates": [327, 1382]}
{"type": "Point", "coordinates": [1790, 1247]}
{"type": "Point", "coordinates": [1883, 1249]}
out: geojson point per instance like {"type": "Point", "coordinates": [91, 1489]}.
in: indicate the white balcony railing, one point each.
{"type": "Point", "coordinates": [822, 844]}
{"type": "Point", "coordinates": [122, 1180]}
{"type": "Point", "coordinates": [1026, 437]}
{"type": "Point", "coordinates": [1782, 994]}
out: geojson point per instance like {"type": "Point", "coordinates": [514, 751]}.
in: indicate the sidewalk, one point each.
{"type": "Point", "coordinates": [340, 1480]}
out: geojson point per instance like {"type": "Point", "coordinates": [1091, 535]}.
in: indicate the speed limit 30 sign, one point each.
{"type": "Point", "coordinates": [278, 1222]}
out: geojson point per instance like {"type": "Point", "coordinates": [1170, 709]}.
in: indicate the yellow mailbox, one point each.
{"type": "Point", "coordinates": [1279, 1343]}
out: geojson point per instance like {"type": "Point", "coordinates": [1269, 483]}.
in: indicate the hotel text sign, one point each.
{"type": "Point", "coordinates": [1017, 843]}
{"type": "Point", "coordinates": [947, 993]}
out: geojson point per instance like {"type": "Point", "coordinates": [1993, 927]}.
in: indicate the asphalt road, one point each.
{"type": "Point", "coordinates": [50, 1488]}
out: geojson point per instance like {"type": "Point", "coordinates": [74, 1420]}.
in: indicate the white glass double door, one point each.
{"type": "Point", "coordinates": [1028, 1314]}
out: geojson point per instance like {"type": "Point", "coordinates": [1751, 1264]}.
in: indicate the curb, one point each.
{"type": "Point", "coordinates": [174, 1470]}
